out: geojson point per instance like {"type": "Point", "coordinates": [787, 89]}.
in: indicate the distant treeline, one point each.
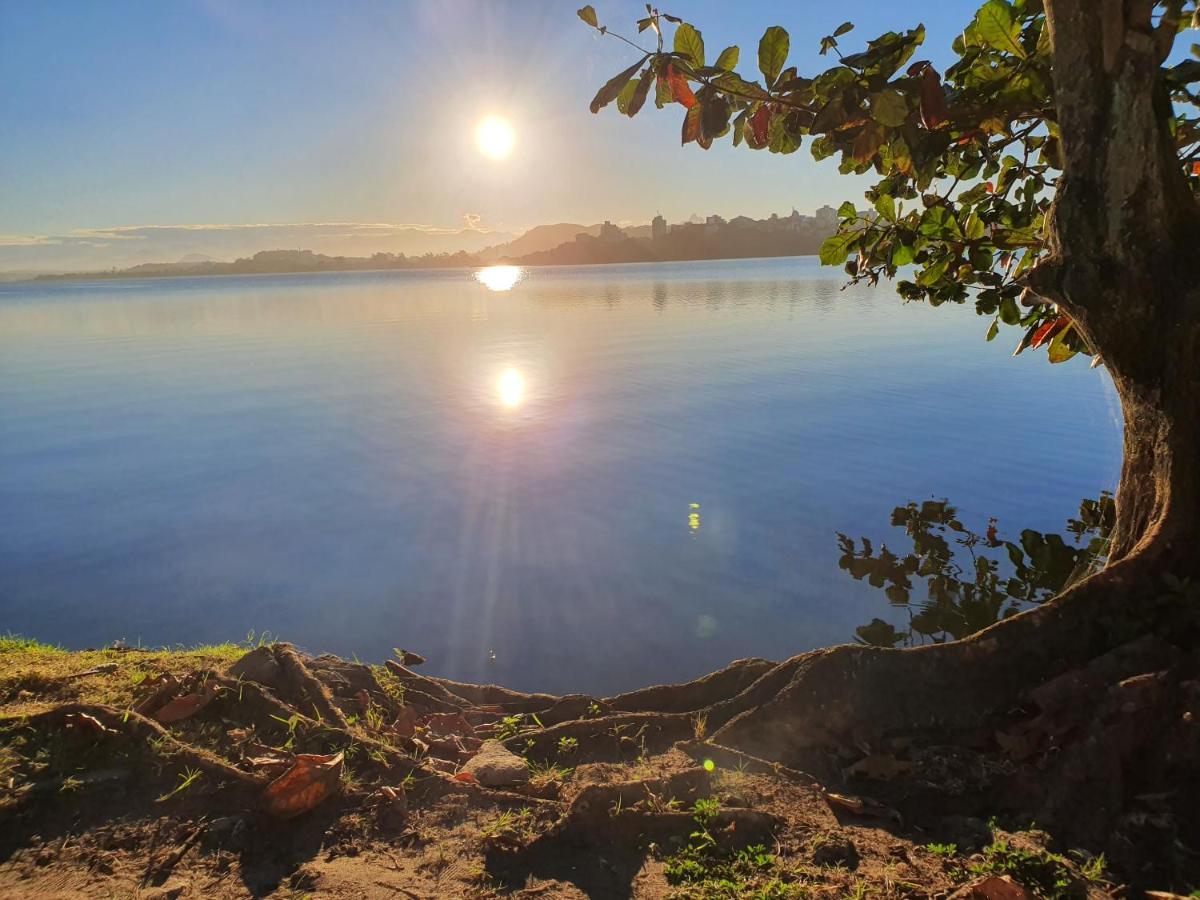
{"type": "Point", "coordinates": [716, 239]}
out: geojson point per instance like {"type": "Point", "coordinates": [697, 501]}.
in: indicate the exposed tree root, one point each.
{"type": "Point", "coordinates": [132, 724]}
{"type": "Point", "coordinates": [301, 683]}
{"type": "Point", "coordinates": [622, 736]}
{"type": "Point", "coordinates": [694, 695]}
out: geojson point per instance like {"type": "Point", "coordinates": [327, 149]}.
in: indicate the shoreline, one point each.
{"type": "Point", "coordinates": [174, 769]}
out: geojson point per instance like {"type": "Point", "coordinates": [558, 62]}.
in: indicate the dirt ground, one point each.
{"type": "Point", "coordinates": [256, 772]}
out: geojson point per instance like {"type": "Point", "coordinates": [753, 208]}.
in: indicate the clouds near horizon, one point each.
{"type": "Point", "coordinates": [126, 245]}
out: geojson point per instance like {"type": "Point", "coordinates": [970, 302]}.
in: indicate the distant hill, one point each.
{"type": "Point", "coordinates": [563, 243]}
{"type": "Point", "coordinates": [537, 239]}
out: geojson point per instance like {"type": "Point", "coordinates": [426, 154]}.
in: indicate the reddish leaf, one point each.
{"type": "Point", "coordinates": [760, 123]}
{"type": "Point", "coordinates": [183, 707]}
{"type": "Point", "coordinates": [680, 89]}
{"type": "Point", "coordinates": [989, 187]}
{"type": "Point", "coordinates": [465, 777]}
{"type": "Point", "coordinates": [691, 125]}
{"type": "Point", "coordinates": [867, 143]}
{"type": "Point", "coordinates": [304, 785]}
{"type": "Point", "coordinates": [1196, 167]}
{"type": "Point", "coordinates": [1048, 331]}
{"type": "Point", "coordinates": [933, 99]}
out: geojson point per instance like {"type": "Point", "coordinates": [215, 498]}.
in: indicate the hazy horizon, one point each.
{"type": "Point", "coordinates": [189, 128]}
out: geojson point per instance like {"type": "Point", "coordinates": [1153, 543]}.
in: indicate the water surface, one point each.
{"type": "Point", "coordinates": [600, 478]}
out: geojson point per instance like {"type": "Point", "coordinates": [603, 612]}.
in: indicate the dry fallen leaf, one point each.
{"type": "Point", "coordinates": [861, 806]}
{"type": "Point", "coordinates": [313, 778]}
{"type": "Point", "coordinates": [465, 777]}
{"type": "Point", "coordinates": [183, 707]}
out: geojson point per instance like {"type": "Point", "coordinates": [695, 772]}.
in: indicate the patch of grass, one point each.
{"type": "Point", "coordinates": [187, 778]}
{"type": "Point", "coordinates": [511, 726]}
{"type": "Point", "coordinates": [15, 643]}
{"type": "Point", "coordinates": [1044, 874]}
{"type": "Point", "coordinates": [700, 872]}
{"type": "Point", "coordinates": [942, 849]}
{"type": "Point", "coordinates": [511, 828]}
{"type": "Point", "coordinates": [541, 774]}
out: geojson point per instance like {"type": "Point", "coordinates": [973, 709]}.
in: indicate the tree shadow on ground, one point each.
{"type": "Point", "coordinates": [598, 871]}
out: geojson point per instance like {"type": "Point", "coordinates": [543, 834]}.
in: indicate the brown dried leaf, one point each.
{"type": "Point", "coordinates": [312, 779]}
{"type": "Point", "coordinates": [861, 806]}
{"type": "Point", "coordinates": [184, 707]}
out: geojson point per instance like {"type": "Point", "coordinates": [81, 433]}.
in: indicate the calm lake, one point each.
{"type": "Point", "coordinates": [598, 478]}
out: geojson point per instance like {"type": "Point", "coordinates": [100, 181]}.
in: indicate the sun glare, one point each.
{"type": "Point", "coordinates": [499, 278]}
{"type": "Point", "coordinates": [511, 387]}
{"type": "Point", "coordinates": [495, 137]}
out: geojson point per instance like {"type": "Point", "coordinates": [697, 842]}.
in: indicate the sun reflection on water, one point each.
{"type": "Point", "coordinates": [511, 388]}
{"type": "Point", "coordinates": [499, 278]}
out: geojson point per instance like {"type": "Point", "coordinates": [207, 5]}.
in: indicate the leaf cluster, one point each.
{"type": "Point", "coordinates": [966, 161]}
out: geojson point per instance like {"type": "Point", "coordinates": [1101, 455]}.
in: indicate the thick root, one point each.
{"type": "Point", "coordinates": [135, 725]}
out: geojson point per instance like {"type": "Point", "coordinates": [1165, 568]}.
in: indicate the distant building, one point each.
{"type": "Point", "coordinates": [658, 228]}
{"type": "Point", "coordinates": [610, 232]}
{"type": "Point", "coordinates": [713, 224]}
{"type": "Point", "coordinates": [742, 222]}
{"type": "Point", "coordinates": [827, 217]}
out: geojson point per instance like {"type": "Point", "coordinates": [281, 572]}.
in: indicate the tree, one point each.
{"type": "Point", "coordinates": [1050, 176]}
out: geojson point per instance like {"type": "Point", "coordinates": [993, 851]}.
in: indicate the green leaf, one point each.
{"type": "Point", "coordinates": [689, 44]}
{"type": "Point", "coordinates": [728, 59]}
{"type": "Point", "coordinates": [588, 15]}
{"type": "Point", "coordinates": [739, 127]}
{"type": "Point", "coordinates": [993, 329]}
{"type": "Point", "coordinates": [889, 108]}
{"type": "Point", "coordinates": [614, 86]}
{"type": "Point", "coordinates": [995, 26]}
{"type": "Point", "coordinates": [625, 96]}
{"type": "Point", "coordinates": [886, 207]}
{"type": "Point", "coordinates": [639, 94]}
{"type": "Point", "coordinates": [843, 29]}
{"type": "Point", "coordinates": [1058, 351]}
{"type": "Point", "coordinates": [736, 84]}
{"type": "Point", "coordinates": [975, 229]}
{"type": "Point", "coordinates": [847, 210]}
{"type": "Point", "coordinates": [902, 255]}
{"type": "Point", "coordinates": [780, 139]}
{"type": "Point", "coordinates": [773, 52]}
{"type": "Point", "coordinates": [1010, 313]}
{"type": "Point", "coordinates": [835, 250]}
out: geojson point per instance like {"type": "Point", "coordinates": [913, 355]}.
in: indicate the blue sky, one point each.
{"type": "Point", "coordinates": [238, 112]}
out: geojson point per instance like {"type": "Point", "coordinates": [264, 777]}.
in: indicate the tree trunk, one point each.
{"type": "Point", "coordinates": [1124, 231]}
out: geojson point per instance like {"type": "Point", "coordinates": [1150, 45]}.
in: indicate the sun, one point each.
{"type": "Point", "coordinates": [511, 387]}
{"type": "Point", "coordinates": [495, 138]}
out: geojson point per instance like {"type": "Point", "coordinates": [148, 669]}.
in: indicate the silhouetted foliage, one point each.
{"type": "Point", "coordinates": [955, 581]}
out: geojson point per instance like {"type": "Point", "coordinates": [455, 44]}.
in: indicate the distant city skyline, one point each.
{"type": "Point", "coordinates": [139, 132]}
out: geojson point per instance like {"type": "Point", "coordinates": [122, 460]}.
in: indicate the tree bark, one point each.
{"type": "Point", "coordinates": [1124, 232]}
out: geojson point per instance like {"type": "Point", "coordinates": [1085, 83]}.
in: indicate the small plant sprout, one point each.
{"type": "Point", "coordinates": [187, 778]}
{"type": "Point", "coordinates": [567, 745]}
